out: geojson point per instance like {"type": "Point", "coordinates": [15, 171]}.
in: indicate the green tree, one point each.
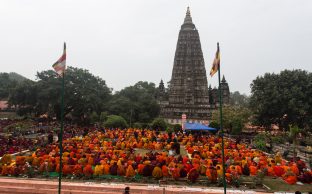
{"type": "Point", "coordinates": [237, 126]}
{"type": "Point", "coordinates": [115, 121]}
{"type": "Point", "coordinates": [103, 117]}
{"type": "Point", "coordinates": [24, 97]}
{"type": "Point", "coordinates": [214, 124]}
{"type": "Point", "coordinates": [234, 118]}
{"type": "Point", "coordinates": [136, 103]}
{"type": "Point", "coordinates": [237, 99]}
{"type": "Point", "coordinates": [293, 134]}
{"type": "Point", "coordinates": [84, 94]}
{"type": "Point", "coordinates": [94, 117]}
{"type": "Point", "coordinates": [8, 82]}
{"type": "Point", "coordinates": [260, 141]}
{"type": "Point", "coordinates": [159, 123]}
{"type": "Point", "coordinates": [283, 99]}
{"type": "Point", "coordinates": [6, 85]}
{"type": "Point", "coordinates": [177, 127]}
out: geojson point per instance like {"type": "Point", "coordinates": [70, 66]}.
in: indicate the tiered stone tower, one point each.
{"type": "Point", "coordinates": [188, 89]}
{"type": "Point", "coordinates": [214, 94]}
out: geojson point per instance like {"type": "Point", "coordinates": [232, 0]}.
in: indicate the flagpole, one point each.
{"type": "Point", "coordinates": [61, 135]}
{"type": "Point", "coordinates": [221, 125]}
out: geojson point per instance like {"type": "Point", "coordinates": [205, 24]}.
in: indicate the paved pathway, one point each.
{"type": "Point", "coordinates": [30, 186]}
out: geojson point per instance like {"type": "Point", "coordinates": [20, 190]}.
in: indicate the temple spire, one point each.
{"type": "Point", "coordinates": [188, 12]}
{"type": "Point", "coordinates": [223, 79]}
{"type": "Point", "coordinates": [188, 18]}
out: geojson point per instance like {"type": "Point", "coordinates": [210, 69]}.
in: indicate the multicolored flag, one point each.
{"type": "Point", "coordinates": [216, 62]}
{"type": "Point", "coordinates": [60, 65]}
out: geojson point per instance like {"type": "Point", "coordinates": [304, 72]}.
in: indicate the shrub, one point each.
{"type": "Point", "coordinates": [260, 142]}
{"type": "Point", "coordinates": [177, 127]}
{"type": "Point", "coordinates": [94, 117]}
{"type": "Point", "coordinates": [237, 126]}
{"type": "Point", "coordinates": [159, 123]}
{"type": "Point", "coordinates": [278, 139]}
{"type": "Point", "coordinates": [115, 121]}
{"type": "Point", "coordinates": [214, 124]}
{"type": "Point", "coordinates": [137, 125]}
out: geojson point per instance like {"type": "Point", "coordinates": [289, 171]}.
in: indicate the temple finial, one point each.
{"type": "Point", "coordinates": [188, 12]}
{"type": "Point", "coordinates": [188, 18]}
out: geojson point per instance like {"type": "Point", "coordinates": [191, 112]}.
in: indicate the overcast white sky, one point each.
{"type": "Point", "coordinates": [127, 41]}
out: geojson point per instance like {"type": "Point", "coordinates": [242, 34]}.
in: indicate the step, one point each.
{"type": "Point", "coordinates": [35, 186]}
{"type": "Point", "coordinates": [44, 184]}
{"type": "Point", "coordinates": [29, 190]}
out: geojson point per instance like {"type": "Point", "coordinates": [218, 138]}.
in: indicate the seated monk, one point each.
{"type": "Point", "coordinates": [305, 177]}
{"type": "Point", "coordinates": [253, 170]}
{"type": "Point", "coordinates": [219, 170]}
{"type": "Point", "coordinates": [239, 169]}
{"type": "Point", "coordinates": [165, 171]}
{"type": "Point", "coordinates": [77, 171]}
{"type": "Point", "coordinates": [270, 170]}
{"type": "Point", "coordinates": [278, 158]}
{"type": "Point", "coordinates": [140, 168]}
{"type": "Point", "coordinates": [183, 172]}
{"type": "Point", "coordinates": [294, 169]}
{"type": "Point", "coordinates": [212, 174]}
{"type": "Point", "coordinates": [246, 170]}
{"type": "Point", "coordinates": [289, 177]}
{"type": "Point", "coordinates": [278, 170]}
{"type": "Point", "coordinates": [175, 173]}
{"type": "Point", "coordinates": [130, 171]}
{"type": "Point", "coordinates": [113, 169]}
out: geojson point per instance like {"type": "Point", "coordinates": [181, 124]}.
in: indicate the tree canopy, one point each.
{"type": "Point", "coordinates": [84, 93]}
{"type": "Point", "coordinates": [238, 99]}
{"type": "Point", "coordinates": [7, 82]}
{"type": "Point", "coordinates": [115, 121]}
{"type": "Point", "coordinates": [283, 99]}
{"type": "Point", "coordinates": [86, 97]}
{"type": "Point", "coordinates": [234, 118]}
{"type": "Point", "coordinates": [135, 103]}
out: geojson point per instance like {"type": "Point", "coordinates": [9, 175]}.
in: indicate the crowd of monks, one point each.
{"type": "Point", "coordinates": [113, 152]}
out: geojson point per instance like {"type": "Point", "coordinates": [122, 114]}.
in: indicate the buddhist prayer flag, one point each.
{"type": "Point", "coordinates": [60, 65]}
{"type": "Point", "coordinates": [216, 62]}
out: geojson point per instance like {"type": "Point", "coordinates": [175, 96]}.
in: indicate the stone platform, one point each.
{"type": "Point", "coordinates": [36, 186]}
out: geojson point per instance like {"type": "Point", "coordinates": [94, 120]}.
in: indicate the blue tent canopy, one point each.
{"type": "Point", "coordinates": [198, 127]}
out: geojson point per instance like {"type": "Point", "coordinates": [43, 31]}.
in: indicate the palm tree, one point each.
{"type": "Point", "coordinates": [294, 132]}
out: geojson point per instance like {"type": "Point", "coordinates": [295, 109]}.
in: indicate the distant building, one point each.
{"type": "Point", "coordinates": [214, 94]}
{"type": "Point", "coordinates": [188, 91]}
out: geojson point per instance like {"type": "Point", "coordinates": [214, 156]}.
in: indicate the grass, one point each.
{"type": "Point", "coordinates": [9, 115]}
{"type": "Point", "coordinates": [141, 151]}
{"type": "Point", "coordinates": [183, 151]}
{"type": "Point", "coordinates": [279, 185]}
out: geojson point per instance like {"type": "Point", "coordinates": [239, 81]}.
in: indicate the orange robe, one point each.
{"type": "Point", "coordinates": [271, 171]}
{"type": "Point", "coordinates": [278, 171]}
{"type": "Point", "coordinates": [292, 179]}
{"type": "Point", "coordinates": [295, 169]}
{"type": "Point", "coordinates": [140, 168]}
{"type": "Point", "coordinates": [165, 171]}
{"type": "Point", "coordinates": [253, 170]}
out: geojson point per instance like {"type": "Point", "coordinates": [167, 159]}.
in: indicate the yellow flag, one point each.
{"type": "Point", "coordinates": [216, 62]}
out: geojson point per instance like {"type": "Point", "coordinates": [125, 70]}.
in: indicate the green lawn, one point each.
{"type": "Point", "coordinates": [183, 151]}
{"type": "Point", "coordinates": [279, 185]}
{"type": "Point", "coordinates": [143, 151]}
